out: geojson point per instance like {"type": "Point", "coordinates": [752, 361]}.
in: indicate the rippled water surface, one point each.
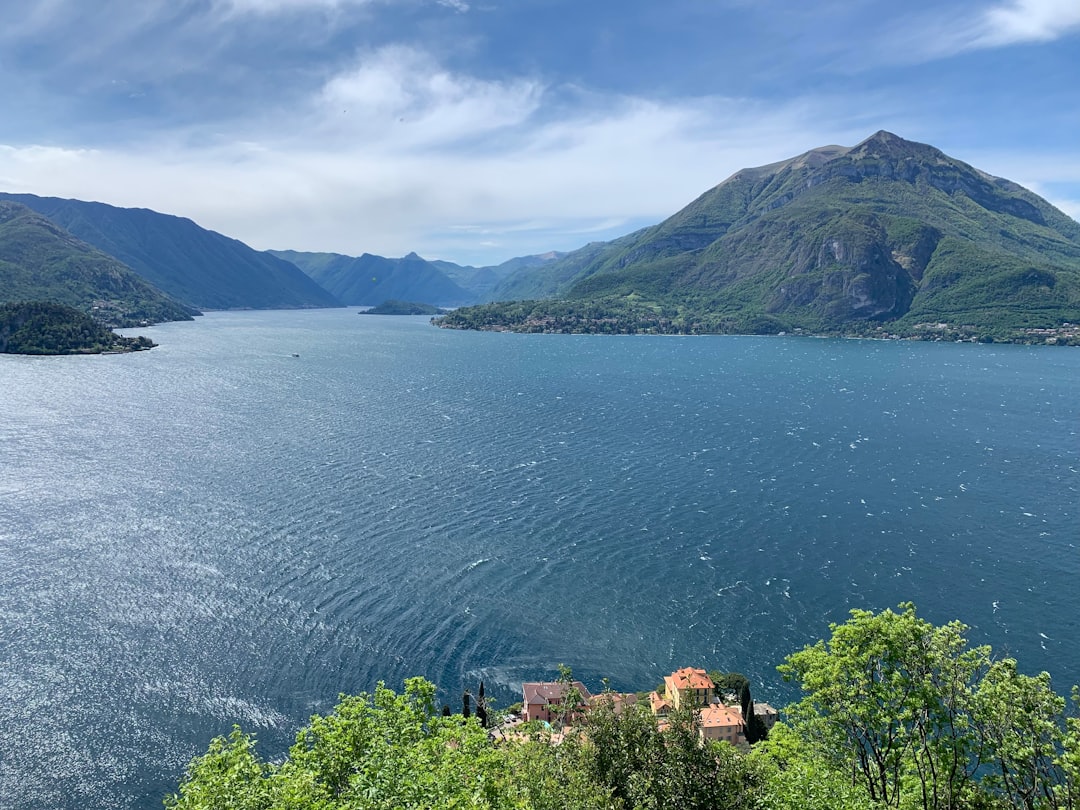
{"type": "Point", "coordinates": [218, 532]}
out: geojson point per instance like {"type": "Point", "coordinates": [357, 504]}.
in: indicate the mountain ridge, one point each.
{"type": "Point", "coordinates": [198, 267]}
{"type": "Point", "coordinates": [886, 231]}
{"type": "Point", "coordinates": [370, 280]}
{"type": "Point", "coordinates": [40, 261]}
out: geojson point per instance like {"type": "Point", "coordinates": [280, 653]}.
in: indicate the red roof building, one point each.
{"type": "Point", "coordinates": [688, 683]}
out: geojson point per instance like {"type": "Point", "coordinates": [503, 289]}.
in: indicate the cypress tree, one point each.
{"type": "Point", "coordinates": [466, 704]}
{"type": "Point", "coordinates": [481, 707]}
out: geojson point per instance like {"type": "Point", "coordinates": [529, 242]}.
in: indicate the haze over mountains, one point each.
{"type": "Point", "coordinates": [886, 232]}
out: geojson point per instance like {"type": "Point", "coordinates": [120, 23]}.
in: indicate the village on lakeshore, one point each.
{"type": "Point", "coordinates": [722, 712]}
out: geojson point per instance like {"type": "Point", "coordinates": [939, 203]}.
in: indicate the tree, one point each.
{"type": "Point", "coordinates": [229, 776]}
{"type": "Point", "coordinates": [887, 697]}
{"type": "Point", "coordinates": [793, 776]}
{"type": "Point", "coordinates": [373, 751]}
{"type": "Point", "coordinates": [481, 707]}
{"type": "Point", "coordinates": [1069, 760]}
{"type": "Point", "coordinates": [571, 697]}
{"type": "Point", "coordinates": [1019, 721]}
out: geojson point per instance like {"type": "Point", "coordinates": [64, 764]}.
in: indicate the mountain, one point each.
{"type": "Point", "coordinates": [888, 232]}
{"type": "Point", "coordinates": [485, 282]}
{"type": "Point", "coordinates": [369, 280]}
{"type": "Point", "coordinates": [198, 267]}
{"type": "Point", "coordinates": [40, 261]}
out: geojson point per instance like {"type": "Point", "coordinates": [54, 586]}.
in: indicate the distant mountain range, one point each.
{"type": "Point", "coordinates": [369, 280]}
{"type": "Point", "coordinates": [195, 266]}
{"type": "Point", "coordinates": [888, 232]}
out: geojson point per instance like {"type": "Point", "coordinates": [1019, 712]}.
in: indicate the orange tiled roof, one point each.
{"type": "Point", "coordinates": [690, 678]}
{"type": "Point", "coordinates": [717, 714]}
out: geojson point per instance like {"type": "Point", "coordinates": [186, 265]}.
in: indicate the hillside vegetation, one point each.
{"type": "Point", "coordinates": [895, 713]}
{"type": "Point", "coordinates": [888, 233]}
{"type": "Point", "coordinates": [42, 327]}
{"type": "Point", "coordinates": [40, 261]}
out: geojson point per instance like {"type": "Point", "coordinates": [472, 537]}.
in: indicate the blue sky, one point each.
{"type": "Point", "coordinates": [478, 130]}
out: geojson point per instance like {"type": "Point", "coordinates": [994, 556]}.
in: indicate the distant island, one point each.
{"type": "Point", "coordinates": [44, 327]}
{"type": "Point", "coordinates": [395, 307]}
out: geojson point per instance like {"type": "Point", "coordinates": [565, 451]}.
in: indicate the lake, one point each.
{"type": "Point", "coordinates": [218, 531]}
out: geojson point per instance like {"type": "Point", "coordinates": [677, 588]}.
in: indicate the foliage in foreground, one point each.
{"type": "Point", "coordinates": [896, 712]}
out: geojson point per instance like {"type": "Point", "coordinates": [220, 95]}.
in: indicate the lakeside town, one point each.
{"type": "Point", "coordinates": [722, 712]}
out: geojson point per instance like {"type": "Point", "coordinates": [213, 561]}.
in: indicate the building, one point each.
{"type": "Point", "coordinates": [543, 700]}
{"type": "Point", "coordinates": [690, 684]}
{"type": "Point", "coordinates": [766, 714]}
{"type": "Point", "coordinates": [660, 705]}
{"type": "Point", "coordinates": [720, 722]}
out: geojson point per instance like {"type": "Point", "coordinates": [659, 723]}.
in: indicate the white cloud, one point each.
{"type": "Point", "coordinates": [398, 153]}
{"type": "Point", "coordinates": [1027, 21]}
{"type": "Point", "coordinates": [949, 31]}
{"type": "Point", "coordinates": [400, 96]}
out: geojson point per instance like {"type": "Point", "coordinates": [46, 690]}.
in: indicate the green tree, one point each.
{"type": "Point", "coordinates": [572, 698]}
{"type": "Point", "coordinates": [887, 698]}
{"type": "Point", "coordinates": [229, 776]}
{"type": "Point", "coordinates": [1069, 760]}
{"type": "Point", "coordinates": [1019, 720]}
{"type": "Point", "coordinates": [793, 777]}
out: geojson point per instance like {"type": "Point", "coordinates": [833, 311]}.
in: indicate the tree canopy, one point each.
{"type": "Point", "coordinates": [896, 713]}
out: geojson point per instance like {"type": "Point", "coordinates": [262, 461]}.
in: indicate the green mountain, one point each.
{"type": "Point", "coordinates": [887, 233]}
{"type": "Point", "coordinates": [193, 265]}
{"type": "Point", "coordinates": [484, 282]}
{"type": "Point", "coordinates": [368, 280]}
{"type": "Point", "coordinates": [40, 261]}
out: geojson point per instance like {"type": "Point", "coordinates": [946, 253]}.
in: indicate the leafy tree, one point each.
{"type": "Point", "coordinates": [1018, 719]}
{"type": "Point", "coordinates": [229, 776]}
{"type": "Point", "coordinates": [1069, 760]}
{"type": "Point", "coordinates": [793, 776]}
{"type": "Point", "coordinates": [571, 697]}
{"type": "Point", "coordinates": [887, 697]}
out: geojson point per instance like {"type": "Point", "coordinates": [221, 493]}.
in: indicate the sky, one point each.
{"type": "Point", "coordinates": [479, 130]}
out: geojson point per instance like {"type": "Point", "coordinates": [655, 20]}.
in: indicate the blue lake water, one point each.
{"type": "Point", "coordinates": [218, 532]}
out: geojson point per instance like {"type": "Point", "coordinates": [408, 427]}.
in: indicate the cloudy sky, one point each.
{"type": "Point", "coordinates": [478, 130]}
